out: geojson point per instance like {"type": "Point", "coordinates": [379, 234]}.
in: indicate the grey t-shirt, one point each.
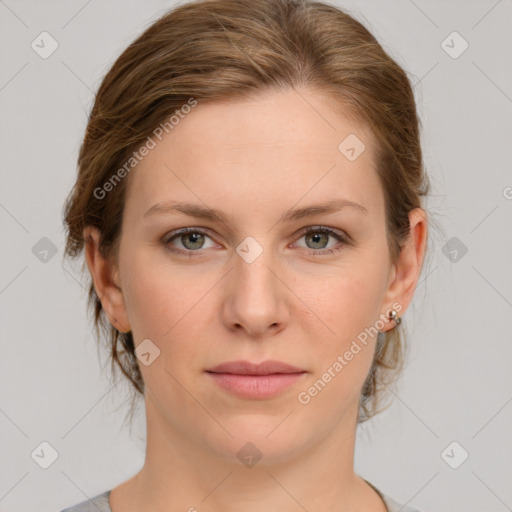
{"type": "Point", "coordinates": [101, 503]}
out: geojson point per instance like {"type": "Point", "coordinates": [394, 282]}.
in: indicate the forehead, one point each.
{"type": "Point", "coordinates": [273, 149]}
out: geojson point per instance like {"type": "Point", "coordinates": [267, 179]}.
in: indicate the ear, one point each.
{"type": "Point", "coordinates": [406, 271]}
{"type": "Point", "coordinates": [105, 276]}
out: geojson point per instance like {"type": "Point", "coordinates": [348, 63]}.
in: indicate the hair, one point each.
{"type": "Point", "coordinates": [221, 50]}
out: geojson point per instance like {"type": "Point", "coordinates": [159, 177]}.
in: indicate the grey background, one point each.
{"type": "Point", "coordinates": [457, 385]}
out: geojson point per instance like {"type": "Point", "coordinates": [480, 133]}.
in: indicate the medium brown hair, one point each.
{"type": "Point", "coordinates": [212, 50]}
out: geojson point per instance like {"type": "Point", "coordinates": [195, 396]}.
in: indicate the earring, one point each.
{"type": "Point", "coordinates": [393, 315]}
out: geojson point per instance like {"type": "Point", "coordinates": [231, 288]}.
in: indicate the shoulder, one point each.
{"type": "Point", "coordinates": [391, 504]}
{"type": "Point", "coordinates": [99, 503]}
{"type": "Point", "coordinates": [394, 506]}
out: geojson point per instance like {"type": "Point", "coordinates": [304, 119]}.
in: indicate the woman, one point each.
{"type": "Point", "coordinates": [249, 201]}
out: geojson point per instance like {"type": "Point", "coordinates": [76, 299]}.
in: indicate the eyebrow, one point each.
{"type": "Point", "coordinates": [207, 213]}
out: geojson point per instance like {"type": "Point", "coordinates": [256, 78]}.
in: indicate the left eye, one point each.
{"type": "Point", "coordinates": [320, 237]}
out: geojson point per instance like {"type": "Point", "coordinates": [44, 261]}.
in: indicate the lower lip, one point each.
{"type": "Point", "coordinates": [256, 386]}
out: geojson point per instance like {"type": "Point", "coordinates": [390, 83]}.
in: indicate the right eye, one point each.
{"type": "Point", "coordinates": [191, 239]}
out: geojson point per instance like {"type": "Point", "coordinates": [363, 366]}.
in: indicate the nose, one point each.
{"type": "Point", "coordinates": [256, 296]}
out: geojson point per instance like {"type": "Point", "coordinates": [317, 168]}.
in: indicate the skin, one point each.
{"type": "Point", "coordinates": [253, 159]}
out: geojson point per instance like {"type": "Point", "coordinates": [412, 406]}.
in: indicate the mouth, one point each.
{"type": "Point", "coordinates": [269, 367]}
{"type": "Point", "coordinates": [255, 380]}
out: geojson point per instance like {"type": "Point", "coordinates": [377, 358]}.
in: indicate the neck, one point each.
{"type": "Point", "coordinates": [181, 473]}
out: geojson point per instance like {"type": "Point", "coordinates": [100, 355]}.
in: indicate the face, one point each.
{"type": "Point", "coordinates": [260, 283]}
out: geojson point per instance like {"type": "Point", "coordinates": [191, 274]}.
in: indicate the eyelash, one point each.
{"type": "Point", "coordinates": [344, 239]}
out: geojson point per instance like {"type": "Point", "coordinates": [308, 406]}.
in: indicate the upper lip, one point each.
{"type": "Point", "coordinates": [247, 368]}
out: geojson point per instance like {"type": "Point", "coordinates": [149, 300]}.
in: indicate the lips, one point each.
{"type": "Point", "coordinates": [256, 381]}
{"type": "Point", "coordinates": [269, 367]}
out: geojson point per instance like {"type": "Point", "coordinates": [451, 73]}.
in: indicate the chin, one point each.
{"type": "Point", "coordinates": [258, 441]}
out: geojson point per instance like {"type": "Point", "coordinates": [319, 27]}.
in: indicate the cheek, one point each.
{"type": "Point", "coordinates": [343, 303]}
{"type": "Point", "coordinates": [342, 357]}
{"type": "Point", "coordinates": [344, 328]}
{"type": "Point", "coordinates": [167, 304]}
